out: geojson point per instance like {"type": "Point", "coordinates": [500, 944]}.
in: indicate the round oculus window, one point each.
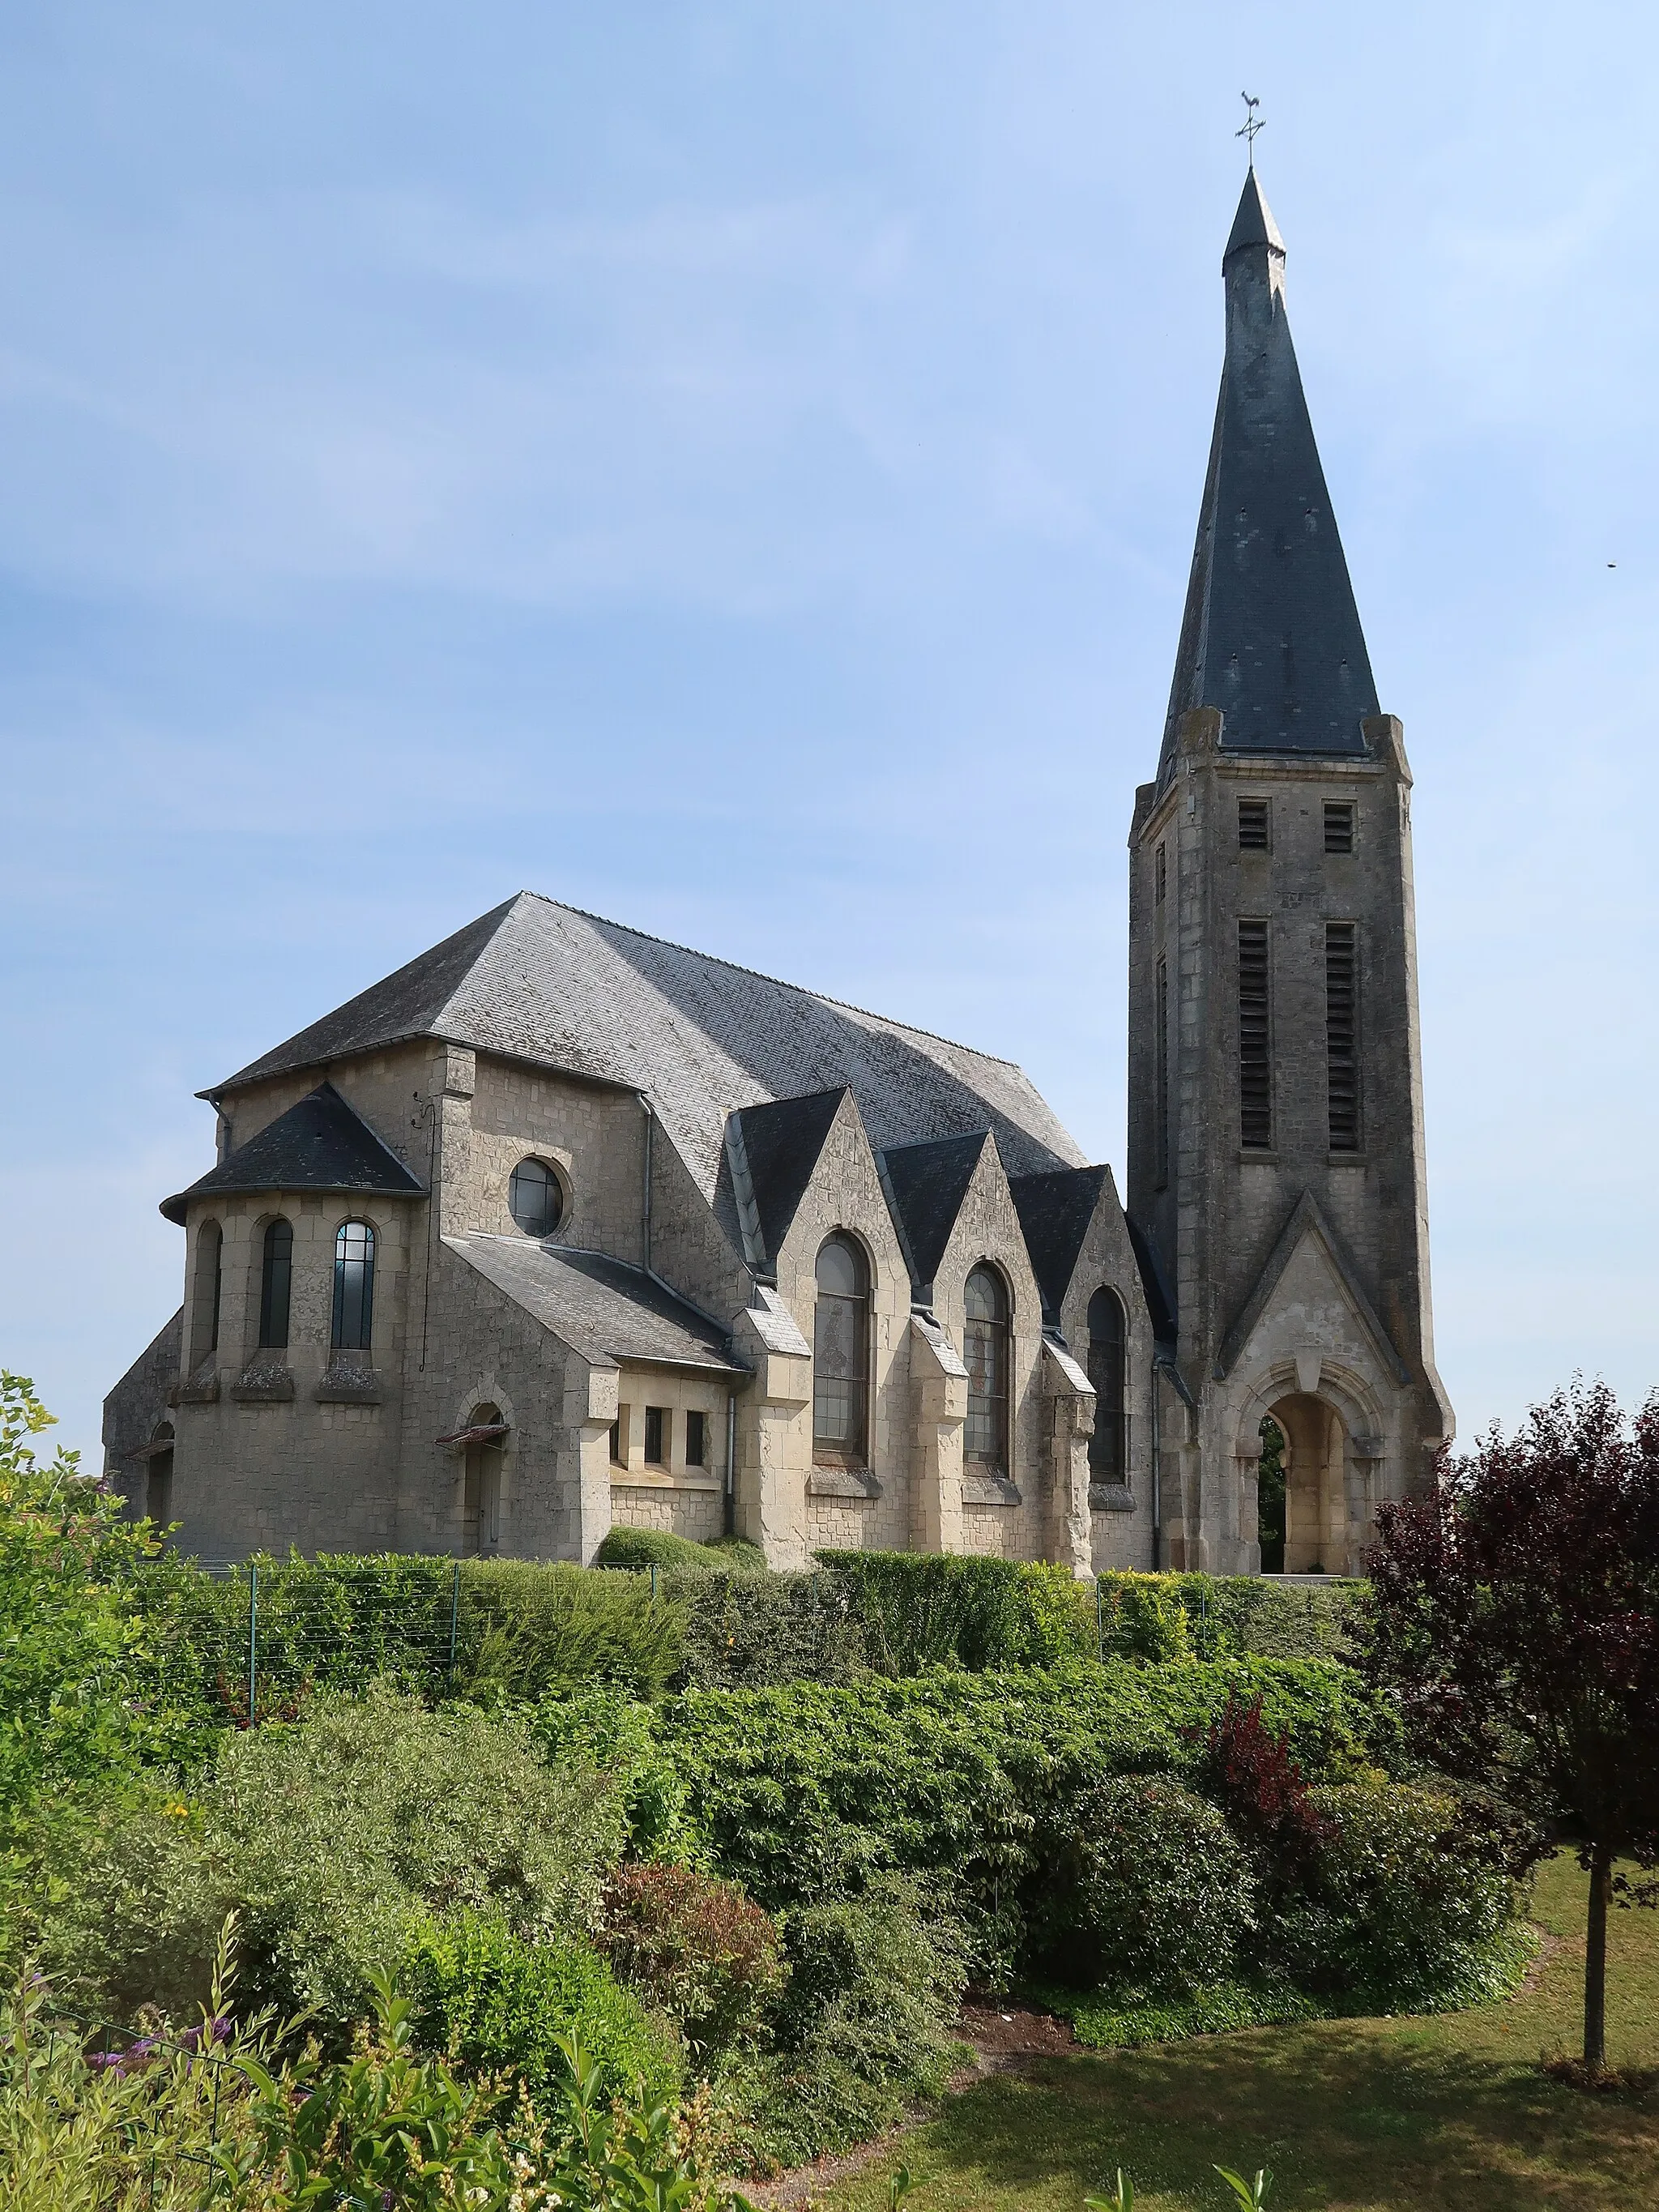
{"type": "Point", "coordinates": [534, 1198]}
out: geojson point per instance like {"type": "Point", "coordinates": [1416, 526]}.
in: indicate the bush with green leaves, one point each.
{"type": "Point", "coordinates": [527, 1632]}
{"type": "Point", "coordinates": [333, 1838]}
{"type": "Point", "coordinates": [811, 1791]}
{"type": "Point", "coordinates": [753, 1630]}
{"type": "Point", "coordinates": [1407, 1908]}
{"type": "Point", "coordinates": [1142, 1617]}
{"type": "Point", "coordinates": [656, 1547]}
{"type": "Point", "coordinates": [1149, 1891]}
{"type": "Point", "coordinates": [863, 2027]}
{"type": "Point", "coordinates": [504, 2007]}
{"type": "Point", "coordinates": [939, 1609]}
{"type": "Point", "coordinates": [75, 1663]}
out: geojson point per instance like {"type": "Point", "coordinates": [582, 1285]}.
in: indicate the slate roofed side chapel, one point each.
{"type": "Point", "coordinates": [562, 1227]}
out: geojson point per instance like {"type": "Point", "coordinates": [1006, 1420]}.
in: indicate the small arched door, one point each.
{"type": "Point", "coordinates": [480, 1497]}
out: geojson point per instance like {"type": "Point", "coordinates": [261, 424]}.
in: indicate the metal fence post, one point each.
{"type": "Point", "coordinates": [1100, 1621]}
{"type": "Point", "coordinates": [252, 1643]}
{"type": "Point", "coordinates": [454, 1620]}
{"type": "Point", "coordinates": [654, 1582]}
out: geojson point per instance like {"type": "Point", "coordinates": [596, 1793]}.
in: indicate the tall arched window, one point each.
{"type": "Point", "coordinates": [205, 1292]}
{"type": "Point", "coordinates": [1109, 1457]}
{"type": "Point", "coordinates": [275, 1273]}
{"type": "Point", "coordinates": [353, 1286]}
{"type": "Point", "coordinates": [985, 1348]}
{"type": "Point", "coordinates": [841, 1363]}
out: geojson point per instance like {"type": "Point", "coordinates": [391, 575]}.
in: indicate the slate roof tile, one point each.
{"type": "Point", "coordinates": [320, 1144]}
{"type": "Point", "coordinates": [535, 981]}
{"type": "Point", "coordinates": [605, 1309]}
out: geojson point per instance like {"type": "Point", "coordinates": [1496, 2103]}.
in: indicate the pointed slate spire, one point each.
{"type": "Point", "coordinates": [1271, 634]}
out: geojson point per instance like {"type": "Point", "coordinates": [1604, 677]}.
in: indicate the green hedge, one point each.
{"type": "Point", "coordinates": [928, 1609]}
{"type": "Point", "coordinates": [709, 1617]}
{"type": "Point", "coordinates": [965, 1780]}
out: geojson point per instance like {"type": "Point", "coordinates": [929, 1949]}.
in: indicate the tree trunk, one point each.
{"type": "Point", "coordinates": [1595, 1961]}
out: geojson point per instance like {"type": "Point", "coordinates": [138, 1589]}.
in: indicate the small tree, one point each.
{"type": "Point", "coordinates": [1516, 1616]}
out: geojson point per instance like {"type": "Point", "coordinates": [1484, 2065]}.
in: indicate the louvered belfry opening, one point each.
{"type": "Point", "coordinates": [1161, 1016]}
{"type": "Point", "coordinates": [1256, 1087]}
{"type": "Point", "coordinates": [1342, 1033]}
{"type": "Point", "coordinates": [1253, 825]}
{"type": "Point", "coordinates": [1339, 825]}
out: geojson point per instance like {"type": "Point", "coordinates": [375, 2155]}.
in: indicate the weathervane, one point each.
{"type": "Point", "coordinates": [1251, 124]}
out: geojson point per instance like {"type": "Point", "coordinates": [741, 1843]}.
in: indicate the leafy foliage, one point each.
{"type": "Point", "coordinates": [919, 1610]}
{"type": "Point", "coordinates": [74, 1661]}
{"type": "Point", "coordinates": [333, 1838]}
{"type": "Point", "coordinates": [655, 1547]}
{"type": "Point", "coordinates": [530, 1631]}
{"type": "Point", "coordinates": [504, 2007]}
{"type": "Point", "coordinates": [1517, 1620]}
{"type": "Point", "coordinates": [750, 1630]}
{"type": "Point", "coordinates": [1141, 1617]}
{"type": "Point", "coordinates": [968, 1780]}
{"type": "Point", "coordinates": [1400, 1909]}
{"type": "Point", "coordinates": [1152, 1892]}
{"type": "Point", "coordinates": [701, 1949]}
{"type": "Point", "coordinates": [1249, 1773]}
{"type": "Point", "coordinates": [864, 2027]}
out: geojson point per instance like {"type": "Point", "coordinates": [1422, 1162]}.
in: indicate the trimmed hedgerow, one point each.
{"type": "Point", "coordinates": [925, 1609]}
{"type": "Point", "coordinates": [527, 1632]}
{"type": "Point", "coordinates": [653, 1547]}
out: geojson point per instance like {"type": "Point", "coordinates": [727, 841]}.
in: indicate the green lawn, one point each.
{"type": "Point", "coordinates": [1367, 2115]}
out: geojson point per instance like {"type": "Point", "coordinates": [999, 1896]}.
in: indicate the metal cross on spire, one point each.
{"type": "Point", "coordinates": [1252, 124]}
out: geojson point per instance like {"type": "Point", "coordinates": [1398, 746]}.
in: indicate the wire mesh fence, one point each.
{"type": "Point", "coordinates": [239, 1643]}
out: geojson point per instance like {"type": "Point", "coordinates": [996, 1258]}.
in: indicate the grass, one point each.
{"type": "Point", "coordinates": [1449, 2110]}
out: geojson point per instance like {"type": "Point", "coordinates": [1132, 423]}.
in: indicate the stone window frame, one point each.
{"type": "Point", "coordinates": [365, 1342]}
{"type": "Point", "coordinates": [999, 1460]}
{"type": "Point", "coordinates": [264, 1274]}
{"type": "Point", "coordinates": [853, 1459]}
{"type": "Point", "coordinates": [560, 1180]}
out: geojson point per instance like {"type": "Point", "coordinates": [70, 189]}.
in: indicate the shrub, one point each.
{"type": "Point", "coordinates": [810, 1791]}
{"type": "Point", "coordinates": [1141, 1617]}
{"type": "Point", "coordinates": [863, 2027]}
{"type": "Point", "coordinates": [1406, 1911]}
{"type": "Point", "coordinates": [653, 1547]}
{"type": "Point", "coordinates": [502, 2006]}
{"type": "Point", "coordinates": [74, 1662]}
{"type": "Point", "coordinates": [333, 1838]}
{"type": "Point", "coordinates": [1249, 1773]}
{"type": "Point", "coordinates": [919, 1610]}
{"type": "Point", "coordinates": [745, 1630]}
{"type": "Point", "coordinates": [1153, 1893]}
{"type": "Point", "coordinates": [698, 1948]}
{"type": "Point", "coordinates": [529, 1631]}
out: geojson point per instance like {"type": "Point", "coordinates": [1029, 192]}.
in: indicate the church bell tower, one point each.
{"type": "Point", "coordinates": [1276, 1161]}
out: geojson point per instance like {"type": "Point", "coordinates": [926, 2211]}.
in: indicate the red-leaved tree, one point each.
{"type": "Point", "coordinates": [1517, 1620]}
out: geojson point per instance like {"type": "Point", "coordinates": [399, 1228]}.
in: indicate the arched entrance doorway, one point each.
{"type": "Point", "coordinates": [481, 1495]}
{"type": "Point", "coordinates": [1314, 1461]}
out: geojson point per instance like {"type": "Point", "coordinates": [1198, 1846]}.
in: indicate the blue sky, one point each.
{"type": "Point", "coordinates": [733, 468]}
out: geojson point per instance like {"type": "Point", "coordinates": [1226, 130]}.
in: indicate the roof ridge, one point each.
{"type": "Point", "coordinates": [781, 982]}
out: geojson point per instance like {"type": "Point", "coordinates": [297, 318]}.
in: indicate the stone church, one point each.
{"type": "Point", "coordinates": [562, 1227]}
